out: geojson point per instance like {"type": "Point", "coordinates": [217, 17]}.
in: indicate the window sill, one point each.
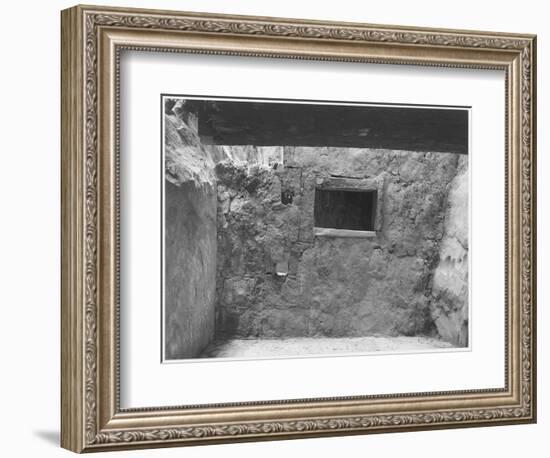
{"type": "Point", "coordinates": [330, 232]}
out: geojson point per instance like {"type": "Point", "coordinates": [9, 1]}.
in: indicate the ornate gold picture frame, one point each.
{"type": "Point", "coordinates": [93, 39]}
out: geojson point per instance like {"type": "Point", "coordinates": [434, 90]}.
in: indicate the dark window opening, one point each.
{"type": "Point", "coordinates": [287, 196]}
{"type": "Point", "coordinates": [340, 209]}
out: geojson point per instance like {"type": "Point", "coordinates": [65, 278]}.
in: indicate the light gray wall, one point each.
{"type": "Point", "coordinates": [190, 269]}
{"type": "Point", "coordinates": [450, 283]}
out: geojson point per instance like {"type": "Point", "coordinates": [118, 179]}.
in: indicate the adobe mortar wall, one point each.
{"type": "Point", "coordinates": [335, 286]}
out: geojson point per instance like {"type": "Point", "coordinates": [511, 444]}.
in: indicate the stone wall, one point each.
{"type": "Point", "coordinates": [333, 286]}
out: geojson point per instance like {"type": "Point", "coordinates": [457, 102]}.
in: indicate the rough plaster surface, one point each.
{"type": "Point", "coordinates": [450, 281]}
{"type": "Point", "coordinates": [190, 269]}
{"type": "Point", "coordinates": [190, 244]}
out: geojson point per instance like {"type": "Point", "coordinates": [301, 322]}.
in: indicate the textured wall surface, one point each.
{"type": "Point", "coordinates": [190, 244]}
{"type": "Point", "coordinates": [450, 283]}
{"type": "Point", "coordinates": [334, 286]}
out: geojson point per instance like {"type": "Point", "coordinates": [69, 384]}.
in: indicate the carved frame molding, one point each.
{"type": "Point", "coordinates": [92, 38]}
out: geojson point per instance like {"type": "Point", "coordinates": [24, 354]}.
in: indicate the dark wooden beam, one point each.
{"type": "Point", "coordinates": [294, 124]}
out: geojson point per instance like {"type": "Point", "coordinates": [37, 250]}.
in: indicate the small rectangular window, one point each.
{"type": "Point", "coordinates": [353, 210]}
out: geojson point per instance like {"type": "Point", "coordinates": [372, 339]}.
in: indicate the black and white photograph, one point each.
{"type": "Point", "coordinates": [296, 228]}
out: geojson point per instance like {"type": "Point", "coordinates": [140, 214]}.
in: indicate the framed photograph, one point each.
{"type": "Point", "coordinates": [277, 228]}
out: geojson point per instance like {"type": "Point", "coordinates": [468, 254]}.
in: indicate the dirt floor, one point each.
{"type": "Point", "coordinates": [262, 348]}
